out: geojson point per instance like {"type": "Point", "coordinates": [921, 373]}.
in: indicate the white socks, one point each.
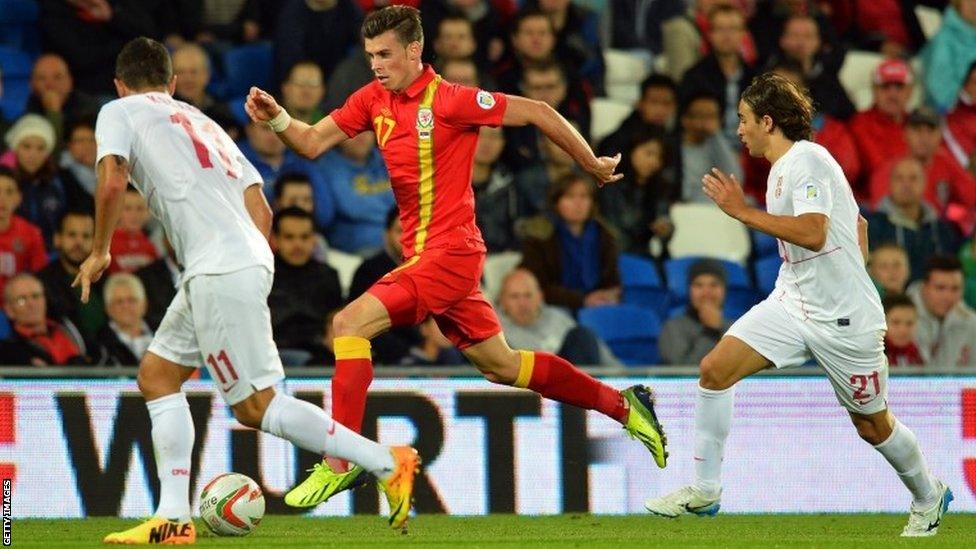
{"type": "Point", "coordinates": [310, 428]}
{"type": "Point", "coordinates": [903, 453]}
{"type": "Point", "coordinates": [172, 436]}
{"type": "Point", "coordinates": [713, 416]}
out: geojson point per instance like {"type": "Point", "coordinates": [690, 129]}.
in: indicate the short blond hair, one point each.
{"type": "Point", "coordinates": [124, 279]}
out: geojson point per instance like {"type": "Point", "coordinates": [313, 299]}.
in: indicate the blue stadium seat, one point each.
{"type": "Point", "coordinates": [18, 24]}
{"type": "Point", "coordinates": [764, 245]}
{"type": "Point", "coordinates": [237, 109]}
{"type": "Point", "coordinates": [5, 329]}
{"type": "Point", "coordinates": [14, 63]}
{"type": "Point", "coordinates": [248, 65]}
{"type": "Point", "coordinates": [630, 332]}
{"type": "Point", "coordinates": [676, 272]}
{"type": "Point", "coordinates": [767, 269]}
{"type": "Point", "coordinates": [739, 300]}
{"type": "Point", "coordinates": [16, 91]}
{"type": "Point", "coordinates": [642, 284]}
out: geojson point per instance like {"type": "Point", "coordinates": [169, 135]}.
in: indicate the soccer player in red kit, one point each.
{"type": "Point", "coordinates": [427, 130]}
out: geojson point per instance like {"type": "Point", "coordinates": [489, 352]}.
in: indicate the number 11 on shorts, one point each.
{"type": "Point", "coordinates": [215, 364]}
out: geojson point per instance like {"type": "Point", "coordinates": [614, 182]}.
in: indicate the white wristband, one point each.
{"type": "Point", "coordinates": [281, 121]}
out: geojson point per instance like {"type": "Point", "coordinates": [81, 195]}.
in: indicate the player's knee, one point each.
{"type": "Point", "coordinates": [344, 323]}
{"type": "Point", "coordinates": [713, 374]}
{"type": "Point", "coordinates": [871, 431]}
{"type": "Point", "coordinates": [155, 381]}
{"type": "Point", "coordinates": [503, 371]}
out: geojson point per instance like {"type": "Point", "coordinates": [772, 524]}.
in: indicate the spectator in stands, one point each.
{"type": "Point", "coordinates": [771, 17]}
{"type": "Point", "coordinates": [53, 95]}
{"type": "Point", "coordinates": [77, 163]}
{"type": "Point", "coordinates": [684, 37]}
{"type": "Point", "coordinates": [531, 324]}
{"type": "Point", "coordinates": [967, 256]}
{"type": "Point", "coordinates": [219, 22]}
{"type": "Point", "coordinates": [535, 180]}
{"type": "Point", "coordinates": [322, 31]}
{"type": "Point", "coordinates": [433, 348]}
{"type": "Point", "coordinates": [487, 18]}
{"type": "Point", "coordinates": [960, 126]}
{"type": "Point", "coordinates": [323, 353]}
{"type": "Point", "coordinates": [21, 244]}
{"type": "Point", "coordinates": [949, 188]}
{"type": "Point", "coordinates": [886, 26]}
{"type": "Point", "coordinates": [638, 204]}
{"type": "Point", "coordinates": [89, 34]}
{"type": "Point", "coordinates": [37, 340]}
{"type": "Point", "coordinates": [390, 346]}
{"type": "Point", "coordinates": [946, 326]}
{"type": "Point", "coordinates": [657, 106]}
{"type": "Point", "coordinates": [294, 190]}
{"type": "Point", "coordinates": [32, 141]}
{"type": "Point", "coordinates": [126, 336]}
{"type": "Point", "coordinates": [800, 41]}
{"type": "Point", "coordinates": [355, 174]}
{"type": "Point", "coordinates": [350, 74]}
{"type": "Point", "coordinates": [161, 278]}
{"type": "Point", "coordinates": [455, 39]}
{"type": "Point", "coordinates": [571, 252]}
{"type": "Point", "coordinates": [270, 156]}
{"type": "Point", "coordinates": [461, 71]}
{"type": "Point", "coordinates": [498, 204]}
{"type": "Point", "coordinates": [636, 26]}
{"type": "Point", "coordinates": [948, 56]}
{"type": "Point", "coordinates": [686, 339]}
{"type": "Point", "coordinates": [829, 131]}
{"type": "Point", "coordinates": [304, 290]}
{"type": "Point", "coordinates": [703, 146]}
{"type": "Point", "coordinates": [722, 73]}
{"type": "Point", "coordinates": [73, 241]}
{"type": "Point", "coordinates": [577, 38]}
{"type": "Point", "coordinates": [548, 82]}
{"type": "Point", "coordinates": [533, 41]}
{"type": "Point", "coordinates": [191, 66]}
{"type": "Point", "coordinates": [905, 218]}
{"type": "Point", "coordinates": [131, 248]}
{"type": "Point", "coordinates": [902, 319]}
{"type": "Point", "coordinates": [878, 131]}
{"type": "Point", "coordinates": [303, 90]}
{"type": "Point", "coordinates": [888, 267]}
{"type": "Point", "coordinates": [376, 266]}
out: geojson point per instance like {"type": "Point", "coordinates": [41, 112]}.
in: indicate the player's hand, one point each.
{"type": "Point", "coordinates": [710, 315]}
{"type": "Point", "coordinates": [725, 191]}
{"type": "Point", "coordinates": [260, 106]}
{"type": "Point", "coordinates": [89, 273]}
{"type": "Point", "coordinates": [604, 168]}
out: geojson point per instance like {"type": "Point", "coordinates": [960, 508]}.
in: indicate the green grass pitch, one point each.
{"type": "Point", "coordinates": [958, 530]}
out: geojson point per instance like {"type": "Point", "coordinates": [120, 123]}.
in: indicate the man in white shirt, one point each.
{"type": "Point", "coordinates": [209, 200]}
{"type": "Point", "coordinates": [824, 305]}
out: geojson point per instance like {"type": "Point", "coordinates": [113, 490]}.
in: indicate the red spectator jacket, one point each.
{"type": "Point", "coordinates": [878, 138]}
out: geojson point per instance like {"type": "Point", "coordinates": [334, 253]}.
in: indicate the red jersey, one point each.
{"type": "Point", "coordinates": [131, 251]}
{"type": "Point", "coordinates": [21, 249]}
{"type": "Point", "coordinates": [427, 135]}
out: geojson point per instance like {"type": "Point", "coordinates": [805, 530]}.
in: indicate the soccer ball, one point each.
{"type": "Point", "coordinates": [231, 505]}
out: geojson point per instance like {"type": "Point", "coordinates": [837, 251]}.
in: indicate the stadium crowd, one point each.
{"type": "Point", "coordinates": [590, 273]}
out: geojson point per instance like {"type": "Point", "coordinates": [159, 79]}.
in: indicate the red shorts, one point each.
{"type": "Point", "coordinates": [442, 283]}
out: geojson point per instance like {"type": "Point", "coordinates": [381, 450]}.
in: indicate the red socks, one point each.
{"type": "Point", "coordinates": [353, 374]}
{"type": "Point", "coordinates": [557, 379]}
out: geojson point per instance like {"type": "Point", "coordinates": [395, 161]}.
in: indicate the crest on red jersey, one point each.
{"type": "Point", "coordinates": [425, 122]}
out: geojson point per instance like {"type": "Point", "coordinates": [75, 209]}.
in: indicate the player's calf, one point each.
{"type": "Point", "coordinates": [874, 428]}
{"type": "Point", "coordinates": [250, 411]}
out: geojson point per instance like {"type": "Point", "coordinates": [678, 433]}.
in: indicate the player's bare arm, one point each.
{"type": "Point", "coordinates": [862, 236]}
{"type": "Point", "coordinates": [308, 141]}
{"type": "Point", "coordinates": [807, 230]}
{"type": "Point", "coordinates": [522, 111]}
{"type": "Point", "coordinates": [113, 178]}
{"type": "Point", "coordinates": [258, 208]}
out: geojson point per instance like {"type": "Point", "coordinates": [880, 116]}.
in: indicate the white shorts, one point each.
{"type": "Point", "coordinates": [856, 364]}
{"type": "Point", "coordinates": [223, 321]}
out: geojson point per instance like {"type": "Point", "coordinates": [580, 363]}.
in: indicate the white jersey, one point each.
{"type": "Point", "coordinates": [193, 177]}
{"type": "Point", "coordinates": [830, 286]}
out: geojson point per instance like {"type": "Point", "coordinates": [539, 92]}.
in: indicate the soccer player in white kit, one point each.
{"type": "Point", "coordinates": [824, 306]}
{"type": "Point", "coordinates": [209, 199]}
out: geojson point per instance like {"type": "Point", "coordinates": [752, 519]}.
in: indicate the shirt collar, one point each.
{"type": "Point", "coordinates": [418, 85]}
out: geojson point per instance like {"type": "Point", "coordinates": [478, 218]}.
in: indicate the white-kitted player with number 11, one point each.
{"type": "Point", "coordinates": [824, 306]}
{"type": "Point", "coordinates": [209, 200]}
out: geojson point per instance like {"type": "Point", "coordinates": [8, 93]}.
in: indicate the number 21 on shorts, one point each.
{"type": "Point", "coordinates": [861, 384]}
